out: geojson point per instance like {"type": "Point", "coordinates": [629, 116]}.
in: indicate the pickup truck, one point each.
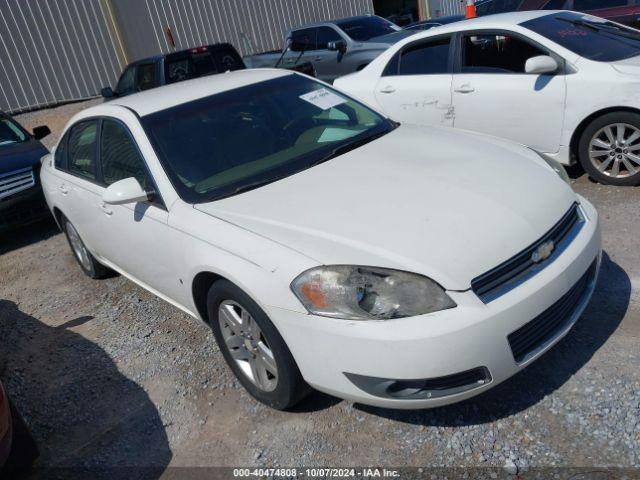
{"type": "Point", "coordinates": [175, 67]}
{"type": "Point", "coordinates": [334, 48]}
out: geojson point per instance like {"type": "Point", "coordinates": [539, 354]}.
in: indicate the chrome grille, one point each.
{"type": "Point", "coordinates": [513, 272]}
{"type": "Point", "coordinates": [16, 181]}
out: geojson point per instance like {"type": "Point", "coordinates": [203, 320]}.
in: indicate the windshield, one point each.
{"type": "Point", "coordinates": [587, 36]}
{"type": "Point", "coordinates": [233, 141]}
{"type": "Point", "coordinates": [365, 28]}
{"type": "Point", "coordinates": [11, 133]}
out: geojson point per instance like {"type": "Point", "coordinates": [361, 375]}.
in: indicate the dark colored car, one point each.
{"type": "Point", "coordinates": [433, 22]}
{"type": "Point", "coordinates": [18, 450]}
{"type": "Point", "coordinates": [183, 65]}
{"type": "Point", "coordinates": [174, 67]}
{"type": "Point", "coordinates": [21, 198]}
{"type": "Point", "coordinates": [626, 12]}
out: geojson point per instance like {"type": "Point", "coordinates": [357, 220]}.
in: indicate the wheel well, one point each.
{"type": "Point", "coordinates": [200, 289]}
{"type": "Point", "coordinates": [575, 138]}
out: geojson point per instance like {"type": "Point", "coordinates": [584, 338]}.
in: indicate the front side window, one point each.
{"type": "Point", "coordinates": [147, 77]}
{"type": "Point", "coordinates": [237, 140]}
{"type": "Point", "coordinates": [82, 150]}
{"type": "Point", "coordinates": [496, 53]}
{"type": "Point", "coordinates": [325, 36]}
{"type": "Point", "coordinates": [587, 36]}
{"type": "Point", "coordinates": [119, 155]}
{"type": "Point", "coordinates": [126, 84]}
{"type": "Point", "coordinates": [11, 133]}
{"type": "Point", "coordinates": [362, 29]}
{"type": "Point", "coordinates": [60, 158]}
{"type": "Point", "coordinates": [305, 38]}
{"type": "Point", "coordinates": [425, 58]}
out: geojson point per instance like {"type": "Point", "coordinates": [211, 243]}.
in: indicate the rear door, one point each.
{"type": "Point", "coordinates": [415, 86]}
{"type": "Point", "coordinates": [492, 93]}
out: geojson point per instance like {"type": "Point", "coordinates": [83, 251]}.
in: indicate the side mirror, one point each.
{"type": "Point", "coordinates": [541, 64]}
{"type": "Point", "coordinates": [40, 132]}
{"type": "Point", "coordinates": [125, 191]}
{"type": "Point", "coordinates": [106, 92]}
{"type": "Point", "coordinates": [337, 46]}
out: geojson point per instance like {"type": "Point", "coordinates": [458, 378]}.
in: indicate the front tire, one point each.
{"type": "Point", "coordinates": [253, 347]}
{"type": "Point", "coordinates": [89, 265]}
{"type": "Point", "coordinates": [609, 149]}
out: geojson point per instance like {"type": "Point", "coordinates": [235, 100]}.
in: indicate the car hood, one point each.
{"type": "Point", "coordinates": [21, 155]}
{"type": "Point", "coordinates": [442, 203]}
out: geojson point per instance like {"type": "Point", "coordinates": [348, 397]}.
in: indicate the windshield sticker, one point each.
{"type": "Point", "coordinates": [323, 99]}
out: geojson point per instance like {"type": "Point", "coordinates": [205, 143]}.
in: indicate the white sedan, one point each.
{"type": "Point", "coordinates": [563, 83]}
{"type": "Point", "coordinates": [324, 244]}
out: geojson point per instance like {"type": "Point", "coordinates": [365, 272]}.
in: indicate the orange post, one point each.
{"type": "Point", "coordinates": [471, 9]}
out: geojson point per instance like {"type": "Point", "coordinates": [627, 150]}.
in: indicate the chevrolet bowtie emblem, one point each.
{"type": "Point", "coordinates": [543, 252]}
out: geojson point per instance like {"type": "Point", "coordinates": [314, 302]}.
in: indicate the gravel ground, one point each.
{"type": "Point", "coordinates": [107, 374]}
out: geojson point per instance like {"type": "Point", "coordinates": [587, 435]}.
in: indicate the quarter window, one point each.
{"type": "Point", "coordinates": [120, 156]}
{"type": "Point", "coordinates": [496, 53]}
{"type": "Point", "coordinates": [82, 150]}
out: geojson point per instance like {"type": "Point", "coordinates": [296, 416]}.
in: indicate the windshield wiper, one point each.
{"type": "Point", "coordinates": [347, 147]}
{"type": "Point", "coordinates": [602, 27]}
{"type": "Point", "coordinates": [580, 23]}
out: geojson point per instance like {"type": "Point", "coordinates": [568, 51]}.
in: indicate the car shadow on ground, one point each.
{"type": "Point", "coordinates": [88, 419]}
{"type": "Point", "coordinates": [525, 389]}
{"type": "Point", "coordinates": [29, 234]}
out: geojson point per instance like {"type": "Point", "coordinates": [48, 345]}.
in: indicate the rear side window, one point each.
{"type": "Point", "coordinates": [421, 58]}
{"type": "Point", "coordinates": [147, 77]}
{"type": "Point", "coordinates": [82, 150]}
{"type": "Point", "coordinates": [496, 53]}
{"type": "Point", "coordinates": [119, 155]}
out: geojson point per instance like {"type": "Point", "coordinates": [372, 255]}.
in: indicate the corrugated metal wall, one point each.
{"type": "Point", "coordinates": [251, 25]}
{"type": "Point", "coordinates": [55, 51]}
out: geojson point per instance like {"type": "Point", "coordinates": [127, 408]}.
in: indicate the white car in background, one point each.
{"type": "Point", "coordinates": [325, 245]}
{"type": "Point", "coordinates": [563, 83]}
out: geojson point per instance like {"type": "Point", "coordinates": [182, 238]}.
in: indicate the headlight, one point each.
{"type": "Point", "coordinates": [368, 293]}
{"type": "Point", "coordinates": [557, 167]}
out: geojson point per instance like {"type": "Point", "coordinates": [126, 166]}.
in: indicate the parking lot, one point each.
{"type": "Point", "coordinates": [108, 374]}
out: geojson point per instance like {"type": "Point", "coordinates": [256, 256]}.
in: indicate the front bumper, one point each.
{"type": "Point", "coordinates": [332, 354]}
{"type": "Point", "coordinates": [23, 208]}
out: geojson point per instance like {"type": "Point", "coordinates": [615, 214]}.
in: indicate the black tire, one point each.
{"type": "Point", "coordinates": [24, 450]}
{"type": "Point", "coordinates": [92, 268]}
{"type": "Point", "coordinates": [290, 387]}
{"type": "Point", "coordinates": [628, 118]}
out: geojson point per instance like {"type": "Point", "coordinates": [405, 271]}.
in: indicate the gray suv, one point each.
{"type": "Point", "coordinates": [335, 48]}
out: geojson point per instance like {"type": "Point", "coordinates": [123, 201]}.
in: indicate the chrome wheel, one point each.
{"type": "Point", "coordinates": [247, 345]}
{"type": "Point", "coordinates": [78, 247]}
{"type": "Point", "coordinates": [615, 150]}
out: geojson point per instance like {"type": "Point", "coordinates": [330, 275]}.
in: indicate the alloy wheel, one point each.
{"type": "Point", "coordinates": [615, 150]}
{"type": "Point", "coordinates": [78, 247]}
{"type": "Point", "coordinates": [247, 345]}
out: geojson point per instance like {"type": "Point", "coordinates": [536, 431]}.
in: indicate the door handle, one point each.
{"type": "Point", "coordinates": [387, 89]}
{"type": "Point", "coordinates": [106, 210]}
{"type": "Point", "coordinates": [63, 189]}
{"type": "Point", "coordinates": [466, 88]}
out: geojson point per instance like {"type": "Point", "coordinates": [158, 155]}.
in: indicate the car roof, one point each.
{"type": "Point", "coordinates": [497, 20]}
{"type": "Point", "coordinates": [167, 96]}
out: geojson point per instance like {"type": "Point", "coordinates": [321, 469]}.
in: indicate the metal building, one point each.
{"type": "Point", "coordinates": [54, 51]}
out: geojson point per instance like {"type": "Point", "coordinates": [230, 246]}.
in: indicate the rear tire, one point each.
{"type": "Point", "coordinates": [24, 450]}
{"type": "Point", "coordinates": [609, 149]}
{"type": "Point", "coordinates": [253, 348]}
{"type": "Point", "coordinates": [89, 265]}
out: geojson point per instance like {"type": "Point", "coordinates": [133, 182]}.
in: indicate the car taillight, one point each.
{"type": "Point", "coordinates": [199, 50]}
{"type": "Point", "coordinates": [4, 413]}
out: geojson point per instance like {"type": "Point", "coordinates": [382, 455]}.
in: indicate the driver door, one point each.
{"type": "Point", "coordinates": [493, 94]}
